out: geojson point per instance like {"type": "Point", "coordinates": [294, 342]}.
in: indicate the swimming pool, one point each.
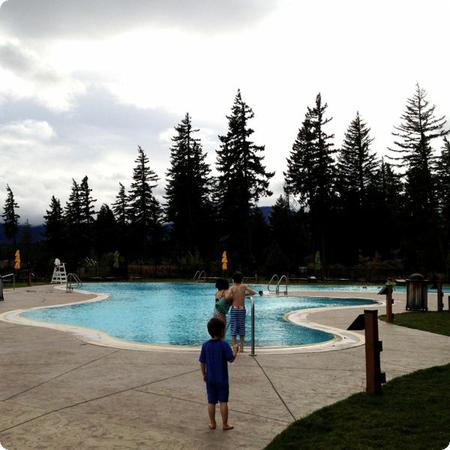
{"type": "Point", "coordinates": [177, 313]}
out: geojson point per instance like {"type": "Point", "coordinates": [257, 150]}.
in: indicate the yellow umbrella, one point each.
{"type": "Point", "coordinates": [224, 261]}
{"type": "Point", "coordinates": [17, 260]}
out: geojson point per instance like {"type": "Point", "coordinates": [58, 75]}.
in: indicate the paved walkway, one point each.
{"type": "Point", "coordinates": [57, 392]}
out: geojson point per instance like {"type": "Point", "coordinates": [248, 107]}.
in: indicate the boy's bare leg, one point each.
{"type": "Point", "coordinates": [233, 341]}
{"type": "Point", "coordinates": [212, 415]}
{"type": "Point", "coordinates": [241, 343]}
{"type": "Point", "coordinates": [224, 413]}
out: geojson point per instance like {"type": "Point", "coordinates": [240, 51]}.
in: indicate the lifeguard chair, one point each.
{"type": "Point", "coordinates": [59, 273]}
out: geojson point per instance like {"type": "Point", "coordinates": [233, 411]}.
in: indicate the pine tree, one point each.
{"type": "Point", "coordinates": [87, 202]}
{"type": "Point", "coordinates": [120, 207]}
{"type": "Point", "coordinates": [242, 181]}
{"type": "Point", "coordinates": [311, 173]}
{"type": "Point", "coordinates": [413, 151]}
{"type": "Point", "coordinates": [105, 231]}
{"type": "Point", "coordinates": [356, 164]}
{"type": "Point", "coordinates": [443, 172]}
{"type": "Point", "coordinates": [188, 189]}
{"type": "Point", "coordinates": [73, 213]}
{"type": "Point", "coordinates": [54, 227]}
{"type": "Point", "coordinates": [10, 217]}
{"type": "Point", "coordinates": [144, 210]}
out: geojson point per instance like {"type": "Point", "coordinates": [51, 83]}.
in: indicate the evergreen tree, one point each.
{"type": "Point", "coordinates": [311, 173]}
{"type": "Point", "coordinates": [188, 190]}
{"type": "Point", "coordinates": [120, 207]}
{"type": "Point", "coordinates": [105, 231]}
{"type": "Point", "coordinates": [144, 210]}
{"type": "Point", "coordinates": [73, 213]}
{"type": "Point", "coordinates": [54, 228]}
{"type": "Point", "coordinates": [87, 202]}
{"type": "Point", "coordinates": [444, 195]}
{"type": "Point", "coordinates": [73, 218]}
{"type": "Point", "coordinates": [413, 151]}
{"type": "Point", "coordinates": [10, 217]}
{"type": "Point", "coordinates": [356, 165]}
{"type": "Point", "coordinates": [356, 169]}
{"type": "Point", "coordinates": [242, 181]}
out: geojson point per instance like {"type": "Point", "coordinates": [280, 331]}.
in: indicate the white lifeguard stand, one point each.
{"type": "Point", "coordinates": [59, 273]}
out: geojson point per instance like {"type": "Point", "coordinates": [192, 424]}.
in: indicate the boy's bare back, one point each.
{"type": "Point", "coordinates": [237, 293]}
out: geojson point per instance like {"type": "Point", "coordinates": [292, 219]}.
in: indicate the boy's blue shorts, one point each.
{"type": "Point", "coordinates": [217, 392]}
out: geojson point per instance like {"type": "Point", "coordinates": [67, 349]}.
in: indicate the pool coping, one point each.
{"type": "Point", "coordinates": [342, 339]}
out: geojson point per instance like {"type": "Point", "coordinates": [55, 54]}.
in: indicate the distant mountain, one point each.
{"type": "Point", "coordinates": [36, 233]}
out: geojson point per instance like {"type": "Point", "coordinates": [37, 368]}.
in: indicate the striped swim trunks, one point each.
{"type": "Point", "coordinates": [237, 322]}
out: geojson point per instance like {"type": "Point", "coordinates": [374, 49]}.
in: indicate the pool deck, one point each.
{"type": "Point", "coordinates": [58, 392]}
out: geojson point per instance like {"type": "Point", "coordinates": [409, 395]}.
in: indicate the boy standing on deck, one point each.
{"type": "Point", "coordinates": [214, 358]}
{"type": "Point", "coordinates": [237, 293]}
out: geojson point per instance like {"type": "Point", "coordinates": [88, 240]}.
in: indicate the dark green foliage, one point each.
{"type": "Point", "coordinates": [356, 163]}
{"type": "Point", "coordinates": [443, 187]}
{"type": "Point", "coordinates": [356, 176]}
{"type": "Point", "coordinates": [413, 151]}
{"type": "Point", "coordinates": [189, 207]}
{"type": "Point", "coordinates": [144, 210]}
{"type": "Point", "coordinates": [27, 240]}
{"type": "Point", "coordinates": [311, 174]}
{"type": "Point", "coordinates": [105, 231]}
{"type": "Point", "coordinates": [242, 181]}
{"type": "Point", "coordinates": [392, 420]}
{"type": "Point", "coordinates": [87, 202]}
{"type": "Point", "coordinates": [54, 228]}
{"type": "Point", "coordinates": [10, 217]}
{"type": "Point", "coordinates": [120, 207]}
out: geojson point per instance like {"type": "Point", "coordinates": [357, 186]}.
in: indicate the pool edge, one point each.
{"type": "Point", "coordinates": [343, 339]}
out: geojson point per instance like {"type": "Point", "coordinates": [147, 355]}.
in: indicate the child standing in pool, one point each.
{"type": "Point", "coordinates": [214, 358]}
{"type": "Point", "coordinates": [237, 294]}
{"type": "Point", "coordinates": [222, 305]}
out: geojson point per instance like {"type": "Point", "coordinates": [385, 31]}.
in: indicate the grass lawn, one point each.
{"type": "Point", "coordinates": [433, 321]}
{"type": "Point", "coordinates": [412, 413]}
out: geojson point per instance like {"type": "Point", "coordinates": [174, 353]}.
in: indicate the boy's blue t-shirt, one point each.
{"type": "Point", "coordinates": [215, 355]}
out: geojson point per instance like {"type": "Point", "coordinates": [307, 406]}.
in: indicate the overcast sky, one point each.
{"type": "Point", "coordinates": [83, 82]}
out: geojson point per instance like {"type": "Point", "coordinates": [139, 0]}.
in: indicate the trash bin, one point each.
{"type": "Point", "coordinates": [416, 293]}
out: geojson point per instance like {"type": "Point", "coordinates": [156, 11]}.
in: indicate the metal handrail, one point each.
{"type": "Point", "coordinates": [196, 274]}
{"type": "Point", "coordinates": [286, 285]}
{"type": "Point", "coordinates": [202, 274]}
{"type": "Point", "coordinates": [274, 278]}
{"type": "Point", "coordinates": [13, 275]}
{"type": "Point", "coordinates": [252, 311]}
{"type": "Point", "coordinates": [73, 281]}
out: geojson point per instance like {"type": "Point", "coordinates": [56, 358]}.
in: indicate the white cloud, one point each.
{"type": "Point", "coordinates": [25, 74]}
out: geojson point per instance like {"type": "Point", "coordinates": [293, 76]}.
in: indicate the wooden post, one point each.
{"type": "Point", "coordinates": [374, 377]}
{"type": "Point", "coordinates": [389, 315]}
{"type": "Point", "coordinates": [440, 296]}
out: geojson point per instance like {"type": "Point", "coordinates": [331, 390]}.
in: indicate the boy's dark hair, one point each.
{"type": "Point", "coordinates": [238, 277]}
{"type": "Point", "coordinates": [222, 284]}
{"type": "Point", "coordinates": [216, 327]}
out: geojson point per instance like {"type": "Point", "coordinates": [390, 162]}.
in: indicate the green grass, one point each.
{"type": "Point", "coordinates": [412, 413]}
{"type": "Point", "coordinates": [432, 321]}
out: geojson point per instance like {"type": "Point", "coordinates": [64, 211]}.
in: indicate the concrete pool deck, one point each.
{"type": "Point", "coordinates": [57, 392]}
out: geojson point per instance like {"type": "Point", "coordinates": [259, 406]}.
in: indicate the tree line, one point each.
{"type": "Point", "coordinates": [343, 210]}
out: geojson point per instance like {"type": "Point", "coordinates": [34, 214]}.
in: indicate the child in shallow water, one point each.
{"type": "Point", "coordinates": [222, 305]}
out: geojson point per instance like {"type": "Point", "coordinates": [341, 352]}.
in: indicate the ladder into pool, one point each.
{"type": "Point", "coordinates": [278, 280]}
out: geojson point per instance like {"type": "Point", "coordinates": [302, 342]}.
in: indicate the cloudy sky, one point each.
{"type": "Point", "coordinates": [84, 82]}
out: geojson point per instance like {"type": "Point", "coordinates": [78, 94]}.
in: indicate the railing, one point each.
{"type": "Point", "coordinates": [274, 278]}
{"type": "Point", "coordinates": [199, 275]}
{"type": "Point", "coordinates": [73, 281]}
{"type": "Point", "coordinates": [277, 290]}
{"type": "Point", "coordinates": [196, 275]}
{"type": "Point", "coordinates": [252, 312]}
{"type": "Point", "coordinates": [10, 275]}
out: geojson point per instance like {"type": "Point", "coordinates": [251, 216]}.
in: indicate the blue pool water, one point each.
{"type": "Point", "coordinates": [177, 313]}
